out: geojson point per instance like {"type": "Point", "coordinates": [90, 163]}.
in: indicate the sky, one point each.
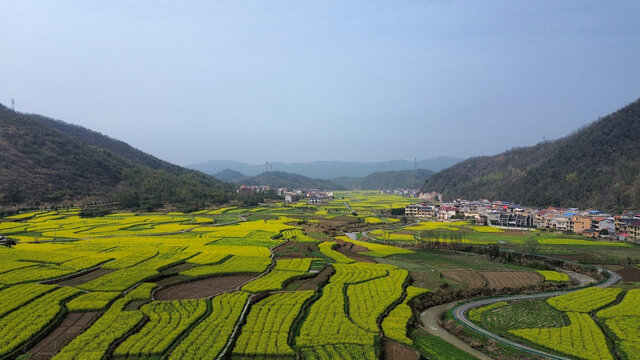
{"type": "Point", "coordinates": [298, 81]}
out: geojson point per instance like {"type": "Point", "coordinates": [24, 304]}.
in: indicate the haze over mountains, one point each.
{"type": "Point", "coordinates": [327, 169]}
{"type": "Point", "coordinates": [595, 167]}
{"type": "Point", "coordinates": [45, 161]}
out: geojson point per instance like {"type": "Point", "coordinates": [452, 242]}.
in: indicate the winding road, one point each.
{"type": "Point", "coordinates": [460, 314]}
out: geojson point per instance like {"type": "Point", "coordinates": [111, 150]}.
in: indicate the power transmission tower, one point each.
{"type": "Point", "coordinates": [13, 104]}
{"type": "Point", "coordinates": [415, 169]}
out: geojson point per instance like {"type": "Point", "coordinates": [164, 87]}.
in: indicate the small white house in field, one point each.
{"type": "Point", "coordinates": [288, 198]}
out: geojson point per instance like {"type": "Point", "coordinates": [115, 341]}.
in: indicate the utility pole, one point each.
{"type": "Point", "coordinates": [13, 104]}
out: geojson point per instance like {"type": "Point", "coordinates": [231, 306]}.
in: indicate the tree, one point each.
{"type": "Point", "coordinates": [7, 242]}
{"type": "Point", "coordinates": [531, 245]}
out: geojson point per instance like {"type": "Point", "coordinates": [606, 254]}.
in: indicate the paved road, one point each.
{"type": "Point", "coordinates": [429, 319]}
{"type": "Point", "coordinates": [460, 313]}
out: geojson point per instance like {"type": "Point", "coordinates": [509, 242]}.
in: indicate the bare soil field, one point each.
{"type": "Point", "coordinates": [629, 273]}
{"type": "Point", "coordinates": [354, 251]}
{"type": "Point", "coordinates": [395, 351]}
{"type": "Point", "coordinates": [469, 277]}
{"type": "Point", "coordinates": [72, 325]}
{"type": "Point", "coordinates": [294, 250]}
{"type": "Point", "coordinates": [84, 278]}
{"type": "Point", "coordinates": [500, 279]}
{"type": "Point", "coordinates": [203, 288]}
{"type": "Point", "coordinates": [311, 283]}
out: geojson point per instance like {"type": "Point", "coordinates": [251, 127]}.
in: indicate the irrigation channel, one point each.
{"type": "Point", "coordinates": [460, 314]}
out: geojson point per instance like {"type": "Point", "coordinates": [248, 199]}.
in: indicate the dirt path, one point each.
{"type": "Point", "coordinates": [581, 278]}
{"type": "Point", "coordinates": [429, 320]}
{"type": "Point", "coordinates": [71, 326]}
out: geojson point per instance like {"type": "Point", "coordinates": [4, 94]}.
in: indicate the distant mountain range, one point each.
{"type": "Point", "coordinates": [405, 179]}
{"type": "Point", "coordinates": [46, 161]}
{"type": "Point", "coordinates": [595, 167]}
{"type": "Point", "coordinates": [279, 179]}
{"type": "Point", "coordinates": [379, 180]}
{"type": "Point", "coordinates": [326, 169]}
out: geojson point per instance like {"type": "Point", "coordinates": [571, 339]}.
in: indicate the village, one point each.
{"type": "Point", "coordinates": [590, 222]}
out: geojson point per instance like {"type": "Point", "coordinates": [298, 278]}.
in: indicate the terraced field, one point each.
{"type": "Point", "coordinates": [190, 286]}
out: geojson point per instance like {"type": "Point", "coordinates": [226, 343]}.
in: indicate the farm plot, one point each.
{"type": "Point", "coordinates": [626, 329]}
{"type": "Point", "coordinates": [623, 320]}
{"type": "Point", "coordinates": [25, 323]}
{"type": "Point", "coordinates": [582, 339]}
{"type": "Point", "coordinates": [312, 282]}
{"type": "Point", "coordinates": [268, 323]}
{"type": "Point", "coordinates": [91, 301]}
{"type": "Point", "coordinates": [327, 322]}
{"type": "Point", "coordinates": [167, 320]}
{"type": "Point", "coordinates": [376, 250]}
{"type": "Point", "coordinates": [326, 248]}
{"type": "Point", "coordinates": [470, 278]}
{"type": "Point", "coordinates": [500, 279]}
{"type": "Point", "coordinates": [394, 325]}
{"type": "Point", "coordinates": [629, 306]}
{"type": "Point", "coordinates": [395, 351]}
{"type": "Point", "coordinates": [585, 300]}
{"type": "Point", "coordinates": [203, 288]}
{"type": "Point", "coordinates": [340, 351]}
{"type": "Point", "coordinates": [208, 338]}
{"type": "Point", "coordinates": [13, 297]}
{"type": "Point", "coordinates": [518, 315]}
{"type": "Point", "coordinates": [368, 300]}
{"type": "Point", "coordinates": [237, 264]}
{"type": "Point", "coordinates": [284, 270]}
{"type": "Point", "coordinates": [94, 343]}
{"type": "Point", "coordinates": [72, 325]}
{"type": "Point", "coordinates": [553, 275]}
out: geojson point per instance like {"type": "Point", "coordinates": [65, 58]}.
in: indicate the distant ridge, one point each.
{"type": "Point", "coordinates": [46, 161]}
{"type": "Point", "coordinates": [230, 175]}
{"type": "Point", "coordinates": [405, 179]}
{"type": "Point", "coordinates": [327, 169]}
{"type": "Point", "coordinates": [595, 167]}
{"type": "Point", "coordinates": [279, 179]}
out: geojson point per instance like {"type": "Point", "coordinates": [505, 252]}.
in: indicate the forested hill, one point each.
{"type": "Point", "coordinates": [45, 161]}
{"type": "Point", "coordinates": [595, 167]}
{"type": "Point", "coordinates": [279, 179]}
{"type": "Point", "coordinates": [405, 179]}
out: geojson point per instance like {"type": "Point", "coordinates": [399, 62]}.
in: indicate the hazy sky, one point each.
{"type": "Point", "coordinates": [190, 81]}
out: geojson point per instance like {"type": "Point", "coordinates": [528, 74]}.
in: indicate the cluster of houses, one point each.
{"type": "Point", "coordinates": [312, 197]}
{"type": "Point", "coordinates": [402, 192]}
{"type": "Point", "coordinates": [249, 190]}
{"type": "Point", "coordinates": [593, 223]}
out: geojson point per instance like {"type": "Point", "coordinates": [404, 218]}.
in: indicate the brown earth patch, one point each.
{"type": "Point", "coordinates": [470, 278]}
{"type": "Point", "coordinates": [177, 268]}
{"type": "Point", "coordinates": [583, 258]}
{"type": "Point", "coordinates": [92, 275]}
{"type": "Point", "coordinates": [311, 283]}
{"type": "Point", "coordinates": [203, 288]}
{"type": "Point", "coordinates": [500, 279]}
{"type": "Point", "coordinates": [351, 246]}
{"type": "Point", "coordinates": [71, 325]}
{"type": "Point", "coordinates": [347, 249]}
{"type": "Point", "coordinates": [629, 273]}
{"type": "Point", "coordinates": [294, 250]}
{"type": "Point", "coordinates": [395, 351]}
